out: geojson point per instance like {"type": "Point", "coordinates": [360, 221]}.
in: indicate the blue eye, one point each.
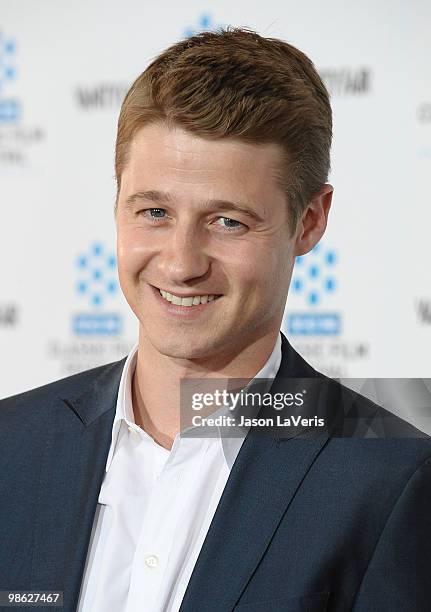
{"type": "Point", "coordinates": [153, 214]}
{"type": "Point", "coordinates": [231, 224]}
{"type": "Point", "coordinates": [156, 213]}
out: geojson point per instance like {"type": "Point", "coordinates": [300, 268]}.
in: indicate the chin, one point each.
{"type": "Point", "coordinates": [183, 348]}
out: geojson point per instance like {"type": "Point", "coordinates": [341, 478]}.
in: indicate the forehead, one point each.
{"type": "Point", "coordinates": [161, 153]}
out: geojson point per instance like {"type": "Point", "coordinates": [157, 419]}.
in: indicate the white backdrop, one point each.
{"type": "Point", "coordinates": [360, 305]}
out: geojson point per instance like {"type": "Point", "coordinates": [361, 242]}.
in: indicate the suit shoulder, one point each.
{"type": "Point", "coordinates": [367, 433]}
{"type": "Point", "coordinates": [360, 416]}
{"type": "Point", "coordinates": [349, 414]}
{"type": "Point", "coordinates": [64, 387]}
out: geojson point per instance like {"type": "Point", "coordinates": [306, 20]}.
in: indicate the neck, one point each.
{"type": "Point", "coordinates": [156, 406]}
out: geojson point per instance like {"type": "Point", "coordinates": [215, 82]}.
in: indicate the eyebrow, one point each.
{"type": "Point", "coordinates": [160, 197]}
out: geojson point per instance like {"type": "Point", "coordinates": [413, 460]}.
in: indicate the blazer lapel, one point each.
{"type": "Point", "coordinates": [71, 476]}
{"type": "Point", "coordinates": [261, 486]}
{"type": "Point", "coordinates": [263, 481]}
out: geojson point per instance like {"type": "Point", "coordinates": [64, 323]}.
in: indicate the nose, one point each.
{"type": "Point", "coordinates": [183, 257]}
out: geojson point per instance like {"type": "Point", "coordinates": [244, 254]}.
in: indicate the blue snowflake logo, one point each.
{"type": "Point", "coordinates": [313, 275]}
{"type": "Point", "coordinates": [97, 275]}
{"type": "Point", "coordinates": [10, 108]}
{"type": "Point", "coordinates": [205, 24]}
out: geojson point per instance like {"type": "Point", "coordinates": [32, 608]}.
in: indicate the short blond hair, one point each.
{"type": "Point", "coordinates": [236, 83]}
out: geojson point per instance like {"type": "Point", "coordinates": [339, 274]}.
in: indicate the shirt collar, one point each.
{"type": "Point", "coordinates": [124, 408]}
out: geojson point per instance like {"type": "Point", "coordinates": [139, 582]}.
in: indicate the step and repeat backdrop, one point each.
{"type": "Point", "coordinates": [360, 303]}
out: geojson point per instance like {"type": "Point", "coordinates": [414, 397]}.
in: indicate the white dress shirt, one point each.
{"type": "Point", "coordinates": [154, 510]}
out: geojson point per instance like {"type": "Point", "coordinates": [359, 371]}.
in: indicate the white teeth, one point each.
{"type": "Point", "coordinates": [186, 301]}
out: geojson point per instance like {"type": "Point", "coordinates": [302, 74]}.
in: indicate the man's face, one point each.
{"type": "Point", "coordinates": [199, 218]}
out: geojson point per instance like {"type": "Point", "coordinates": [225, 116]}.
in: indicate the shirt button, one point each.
{"type": "Point", "coordinates": [133, 430]}
{"type": "Point", "coordinates": [151, 561]}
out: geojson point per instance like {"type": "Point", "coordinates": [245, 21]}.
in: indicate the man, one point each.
{"type": "Point", "coordinates": [222, 158]}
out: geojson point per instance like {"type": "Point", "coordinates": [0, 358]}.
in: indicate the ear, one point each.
{"type": "Point", "coordinates": [312, 224]}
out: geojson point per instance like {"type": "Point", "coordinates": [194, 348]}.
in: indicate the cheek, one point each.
{"type": "Point", "coordinates": [269, 270]}
{"type": "Point", "coordinates": [251, 271]}
{"type": "Point", "coordinates": [133, 252]}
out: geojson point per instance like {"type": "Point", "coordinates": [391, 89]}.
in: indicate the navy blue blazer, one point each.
{"type": "Point", "coordinates": [305, 523]}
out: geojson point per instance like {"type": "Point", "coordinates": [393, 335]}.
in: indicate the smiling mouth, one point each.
{"type": "Point", "coordinates": [191, 300]}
